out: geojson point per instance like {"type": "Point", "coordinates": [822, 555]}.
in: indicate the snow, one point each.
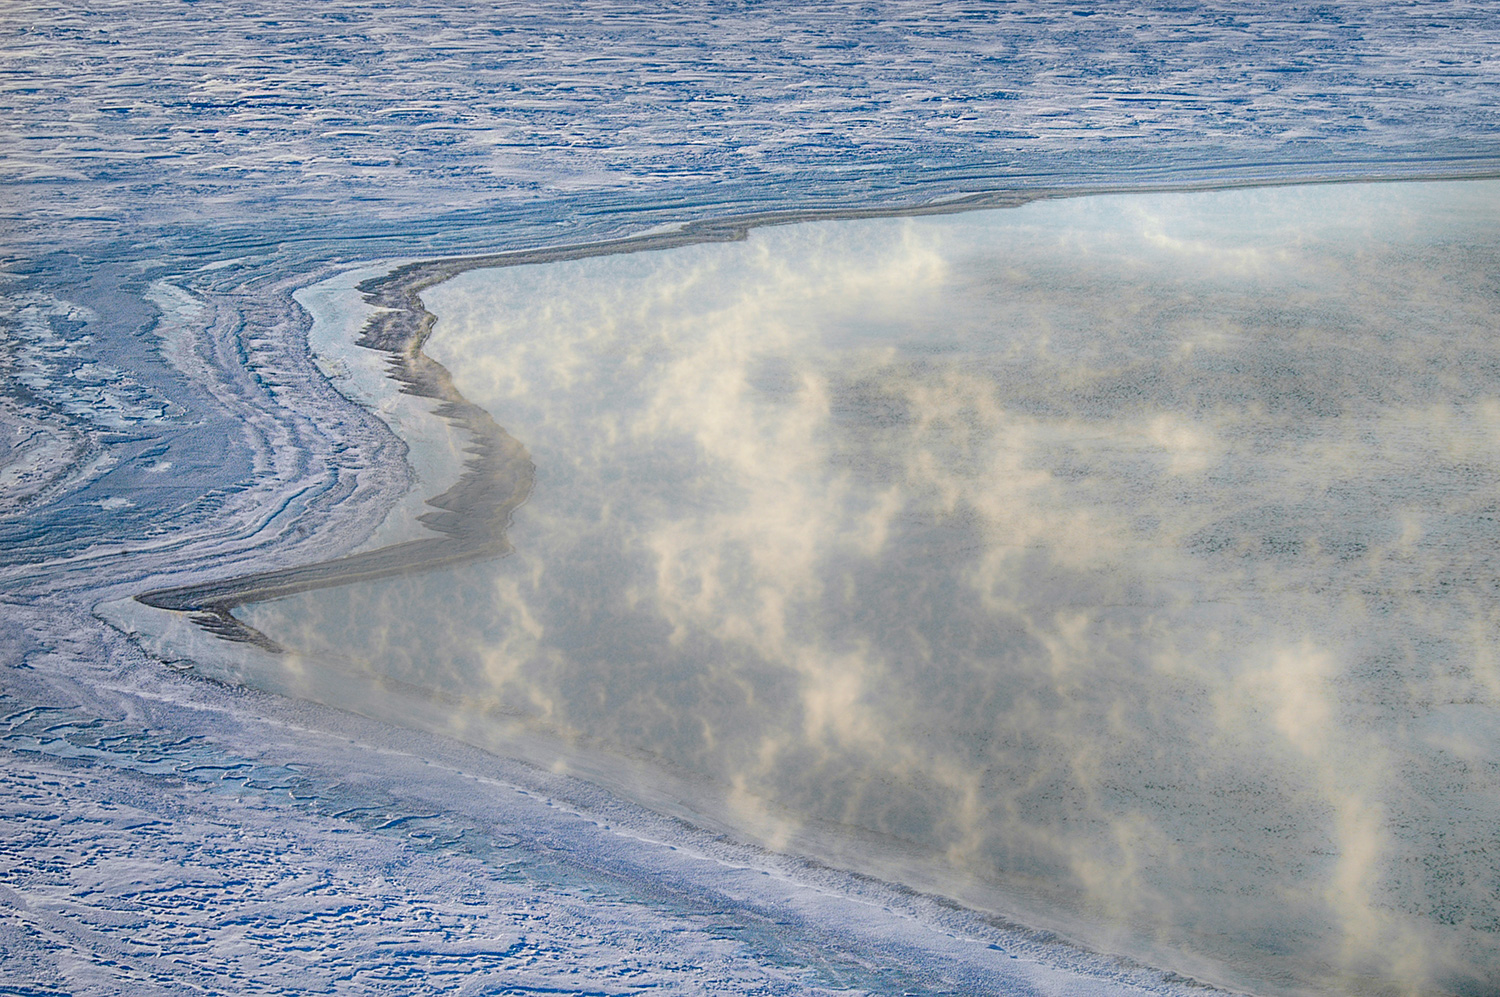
{"type": "Point", "coordinates": [200, 112]}
{"type": "Point", "coordinates": [177, 178]}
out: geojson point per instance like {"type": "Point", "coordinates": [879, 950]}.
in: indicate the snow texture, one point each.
{"type": "Point", "coordinates": [171, 175]}
{"type": "Point", "coordinates": [200, 112]}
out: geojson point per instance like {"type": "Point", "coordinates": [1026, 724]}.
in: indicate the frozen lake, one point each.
{"type": "Point", "coordinates": [1126, 561]}
{"type": "Point", "coordinates": [1115, 568]}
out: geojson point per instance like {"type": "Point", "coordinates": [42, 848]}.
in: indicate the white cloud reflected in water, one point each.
{"type": "Point", "coordinates": [1133, 554]}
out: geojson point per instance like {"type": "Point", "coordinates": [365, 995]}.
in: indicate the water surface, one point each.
{"type": "Point", "coordinates": [1133, 557]}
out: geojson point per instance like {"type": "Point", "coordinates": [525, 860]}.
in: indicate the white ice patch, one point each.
{"type": "Point", "coordinates": [36, 452]}
{"type": "Point", "coordinates": [61, 370]}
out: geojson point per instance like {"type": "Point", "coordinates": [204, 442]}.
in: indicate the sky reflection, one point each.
{"type": "Point", "coordinates": [1135, 554]}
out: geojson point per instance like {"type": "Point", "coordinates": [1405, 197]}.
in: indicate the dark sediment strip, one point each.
{"type": "Point", "coordinates": [471, 517]}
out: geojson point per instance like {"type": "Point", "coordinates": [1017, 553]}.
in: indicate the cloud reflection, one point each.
{"type": "Point", "coordinates": [1132, 553]}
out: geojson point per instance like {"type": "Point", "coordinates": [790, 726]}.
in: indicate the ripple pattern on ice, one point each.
{"type": "Point", "coordinates": [191, 109]}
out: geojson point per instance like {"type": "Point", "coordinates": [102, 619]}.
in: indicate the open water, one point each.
{"type": "Point", "coordinates": [1128, 561]}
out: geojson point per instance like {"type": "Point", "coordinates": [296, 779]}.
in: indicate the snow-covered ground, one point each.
{"type": "Point", "coordinates": [177, 178]}
{"type": "Point", "coordinates": [548, 113]}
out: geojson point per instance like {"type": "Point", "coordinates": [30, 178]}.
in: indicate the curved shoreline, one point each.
{"type": "Point", "coordinates": [473, 514]}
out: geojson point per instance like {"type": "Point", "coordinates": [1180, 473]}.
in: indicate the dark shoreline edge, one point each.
{"type": "Point", "coordinates": [474, 514]}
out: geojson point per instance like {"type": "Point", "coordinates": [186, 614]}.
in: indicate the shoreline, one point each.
{"type": "Point", "coordinates": [401, 328]}
{"type": "Point", "coordinates": [474, 513]}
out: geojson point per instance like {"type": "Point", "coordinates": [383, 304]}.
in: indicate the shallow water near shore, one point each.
{"type": "Point", "coordinates": [1130, 556]}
